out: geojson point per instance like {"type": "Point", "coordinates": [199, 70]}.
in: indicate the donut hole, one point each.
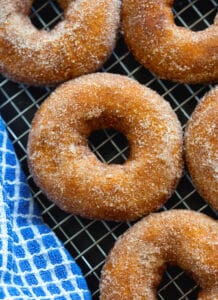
{"type": "Point", "coordinates": [45, 14]}
{"type": "Point", "coordinates": [177, 284]}
{"type": "Point", "coordinates": [109, 145]}
{"type": "Point", "coordinates": [195, 15]}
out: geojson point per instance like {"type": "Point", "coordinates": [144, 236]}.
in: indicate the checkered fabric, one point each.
{"type": "Point", "coordinates": [33, 262]}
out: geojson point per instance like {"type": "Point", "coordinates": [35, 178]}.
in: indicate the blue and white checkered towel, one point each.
{"type": "Point", "coordinates": [33, 262]}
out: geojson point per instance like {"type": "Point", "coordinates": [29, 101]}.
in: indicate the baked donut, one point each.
{"type": "Point", "coordinates": [201, 144]}
{"type": "Point", "coordinates": [70, 174]}
{"type": "Point", "coordinates": [135, 266]}
{"type": "Point", "coordinates": [79, 44]}
{"type": "Point", "coordinates": [170, 51]}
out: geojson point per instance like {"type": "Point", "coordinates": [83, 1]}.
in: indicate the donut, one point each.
{"type": "Point", "coordinates": [70, 174]}
{"type": "Point", "coordinates": [78, 44]}
{"type": "Point", "coordinates": [172, 52]}
{"type": "Point", "coordinates": [135, 265]}
{"type": "Point", "coordinates": [201, 147]}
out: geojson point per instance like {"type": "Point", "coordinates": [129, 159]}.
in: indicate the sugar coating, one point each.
{"type": "Point", "coordinates": [78, 44]}
{"type": "Point", "coordinates": [170, 51]}
{"type": "Point", "coordinates": [201, 143]}
{"type": "Point", "coordinates": [135, 265]}
{"type": "Point", "coordinates": [71, 175]}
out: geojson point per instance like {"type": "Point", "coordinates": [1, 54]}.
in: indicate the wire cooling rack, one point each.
{"type": "Point", "coordinates": [90, 241]}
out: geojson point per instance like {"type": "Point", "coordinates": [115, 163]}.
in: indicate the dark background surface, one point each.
{"type": "Point", "coordinates": [90, 241]}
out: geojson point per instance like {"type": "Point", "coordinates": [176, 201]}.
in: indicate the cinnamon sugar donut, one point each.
{"type": "Point", "coordinates": [170, 51]}
{"type": "Point", "coordinates": [136, 264]}
{"type": "Point", "coordinates": [70, 174]}
{"type": "Point", "coordinates": [201, 142]}
{"type": "Point", "coordinates": [79, 44]}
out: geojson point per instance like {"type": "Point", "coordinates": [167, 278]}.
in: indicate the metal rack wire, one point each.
{"type": "Point", "coordinates": [90, 241]}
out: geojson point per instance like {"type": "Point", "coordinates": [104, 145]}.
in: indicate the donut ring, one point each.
{"type": "Point", "coordinates": [79, 44]}
{"type": "Point", "coordinates": [71, 175]}
{"type": "Point", "coordinates": [136, 264]}
{"type": "Point", "coordinates": [201, 143]}
{"type": "Point", "coordinates": [170, 51]}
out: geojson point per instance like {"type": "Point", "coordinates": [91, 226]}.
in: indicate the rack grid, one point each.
{"type": "Point", "coordinates": [90, 241]}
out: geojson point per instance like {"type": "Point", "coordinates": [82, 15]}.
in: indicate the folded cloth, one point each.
{"type": "Point", "coordinates": [33, 263]}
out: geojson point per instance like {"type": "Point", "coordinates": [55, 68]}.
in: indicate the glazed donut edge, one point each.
{"type": "Point", "coordinates": [79, 44]}
{"type": "Point", "coordinates": [137, 261]}
{"type": "Point", "coordinates": [201, 153]}
{"type": "Point", "coordinates": [172, 52]}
